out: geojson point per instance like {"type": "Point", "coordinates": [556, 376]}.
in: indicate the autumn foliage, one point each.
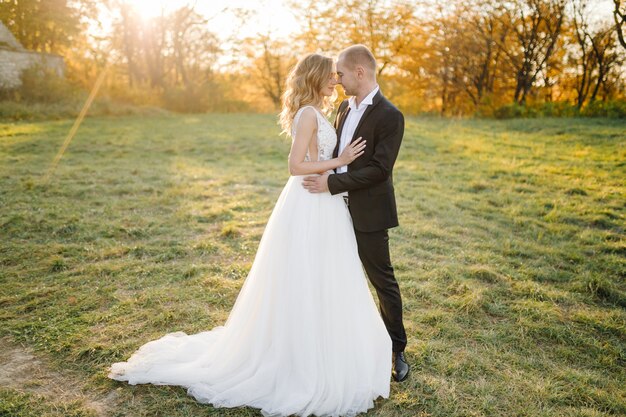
{"type": "Point", "coordinates": [491, 58]}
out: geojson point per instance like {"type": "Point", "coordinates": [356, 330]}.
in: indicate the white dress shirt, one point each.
{"type": "Point", "coordinates": [352, 121]}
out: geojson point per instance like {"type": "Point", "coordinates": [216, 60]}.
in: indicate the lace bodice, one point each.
{"type": "Point", "coordinates": [326, 135]}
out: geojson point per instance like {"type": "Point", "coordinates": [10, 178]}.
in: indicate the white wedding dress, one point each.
{"type": "Point", "coordinates": [304, 336]}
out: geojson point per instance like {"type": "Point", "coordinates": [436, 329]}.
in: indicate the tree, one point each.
{"type": "Point", "coordinates": [482, 57]}
{"type": "Point", "coordinates": [453, 55]}
{"type": "Point", "coordinates": [619, 15]}
{"type": "Point", "coordinates": [476, 31]}
{"type": "Point", "coordinates": [535, 26]}
{"type": "Point", "coordinates": [605, 57]}
{"type": "Point", "coordinates": [269, 62]}
{"type": "Point", "coordinates": [380, 25]}
{"type": "Point", "coordinates": [175, 49]}
{"type": "Point", "coordinates": [584, 62]}
{"type": "Point", "coordinates": [596, 55]}
{"type": "Point", "coordinates": [129, 26]}
{"type": "Point", "coordinates": [46, 25]}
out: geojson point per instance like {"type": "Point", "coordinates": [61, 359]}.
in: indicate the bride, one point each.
{"type": "Point", "coordinates": [304, 336]}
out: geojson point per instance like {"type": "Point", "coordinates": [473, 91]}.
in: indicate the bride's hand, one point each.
{"type": "Point", "coordinates": [352, 151]}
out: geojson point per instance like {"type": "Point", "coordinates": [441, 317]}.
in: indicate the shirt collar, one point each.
{"type": "Point", "coordinates": [367, 101]}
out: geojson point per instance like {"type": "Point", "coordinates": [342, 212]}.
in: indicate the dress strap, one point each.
{"type": "Point", "coordinates": [296, 118]}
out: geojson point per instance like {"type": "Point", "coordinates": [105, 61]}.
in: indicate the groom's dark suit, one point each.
{"type": "Point", "coordinates": [372, 202]}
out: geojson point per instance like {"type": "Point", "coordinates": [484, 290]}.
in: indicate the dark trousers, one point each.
{"type": "Point", "coordinates": [374, 254]}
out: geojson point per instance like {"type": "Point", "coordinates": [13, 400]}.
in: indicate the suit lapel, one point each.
{"type": "Point", "coordinates": [342, 120]}
{"type": "Point", "coordinates": [341, 117]}
{"type": "Point", "coordinates": [377, 98]}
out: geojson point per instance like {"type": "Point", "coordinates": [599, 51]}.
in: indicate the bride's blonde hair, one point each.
{"type": "Point", "coordinates": [304, 86]}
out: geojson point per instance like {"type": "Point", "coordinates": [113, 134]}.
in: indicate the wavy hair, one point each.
{"type": "Point", "coordinates": [303, 87]}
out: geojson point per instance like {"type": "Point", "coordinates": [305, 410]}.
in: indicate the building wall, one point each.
{"type": "Point", "coordinates": [12, 63]}
{"type": "Point", "coordinates": [14, 59]}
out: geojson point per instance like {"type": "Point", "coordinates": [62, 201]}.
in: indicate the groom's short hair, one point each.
{"type": "Point", "coordinates": [359, 55]}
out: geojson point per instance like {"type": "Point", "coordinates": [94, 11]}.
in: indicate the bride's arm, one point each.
{"type": "Point", "coordinates": [305, 133]}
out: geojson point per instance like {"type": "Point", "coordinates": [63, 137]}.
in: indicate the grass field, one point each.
{"type": "Point", "coordinates": [510, 256]}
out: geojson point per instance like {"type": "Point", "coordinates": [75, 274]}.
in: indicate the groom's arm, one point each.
{"type": "Point", "coordinates": [380, 165]}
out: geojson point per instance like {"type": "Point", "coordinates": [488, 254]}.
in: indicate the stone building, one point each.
{"type": "Point", "coordinates": [14, 59]}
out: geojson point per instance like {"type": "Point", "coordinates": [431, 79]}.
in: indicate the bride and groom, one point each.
{"type": "Point", "coordinates": [304, 335]}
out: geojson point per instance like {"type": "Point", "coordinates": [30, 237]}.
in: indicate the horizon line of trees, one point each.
{"type": "Point", "coordinates": [462, 57]}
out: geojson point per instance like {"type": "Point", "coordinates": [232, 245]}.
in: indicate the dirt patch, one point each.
{"type": "Point", "coordinates": [24, 370]}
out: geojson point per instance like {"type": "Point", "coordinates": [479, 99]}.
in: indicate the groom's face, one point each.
{"type": "Point", "coordinates": [347, 78]}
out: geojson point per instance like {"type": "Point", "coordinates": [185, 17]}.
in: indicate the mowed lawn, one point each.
{"type": "Point", "coordinates": [510, 256]}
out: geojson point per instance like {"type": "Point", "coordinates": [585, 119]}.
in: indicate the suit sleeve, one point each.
{"type": "Point", "coordinates": [379, 167]}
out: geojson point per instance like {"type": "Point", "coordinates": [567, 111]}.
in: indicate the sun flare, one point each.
{"type": "Point", "coordinates": [265, 16]}
{"type": "Point", "coordinates": [152, 8]}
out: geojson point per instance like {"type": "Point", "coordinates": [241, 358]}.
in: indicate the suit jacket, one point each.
{"type": "Point", "coordinates": [369, 180]}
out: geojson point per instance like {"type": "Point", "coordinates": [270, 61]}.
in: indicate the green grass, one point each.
{"type": "Point", "coordinates": [510, 255]}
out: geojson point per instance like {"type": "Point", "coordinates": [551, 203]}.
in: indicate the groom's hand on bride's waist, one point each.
{"type": "Point", "coordinates": [316, 184]}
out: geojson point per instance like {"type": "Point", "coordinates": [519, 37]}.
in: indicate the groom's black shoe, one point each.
{"type": "Point", "coordinates": [400, 369]}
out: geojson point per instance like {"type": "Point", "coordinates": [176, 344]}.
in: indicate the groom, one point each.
{"type": "Point", "coordinates": [367, 185]}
